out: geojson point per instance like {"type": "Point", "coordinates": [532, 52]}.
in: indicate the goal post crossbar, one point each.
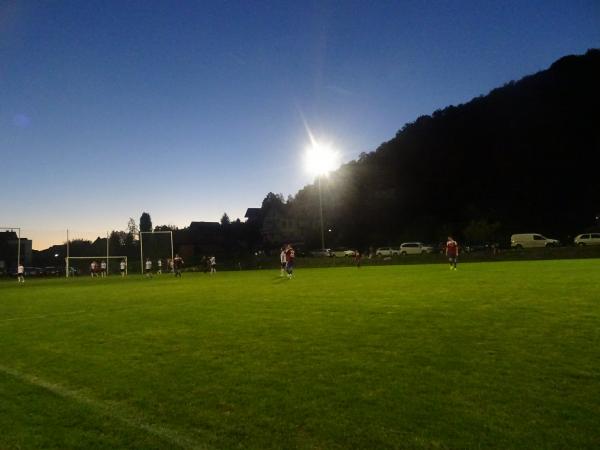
{"type": "Point", "coordinates": [68, 258]}
{"type": "Point", "coordinates": [142, 245]}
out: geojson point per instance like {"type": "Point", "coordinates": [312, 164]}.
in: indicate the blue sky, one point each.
{"type": "Point", "coordinates": [190, 109]}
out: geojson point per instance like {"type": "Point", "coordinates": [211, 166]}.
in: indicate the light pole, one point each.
{"type": "Point", "coordinates": [320, 159]}
{"type": "Point", "coordinates": [321, 215]}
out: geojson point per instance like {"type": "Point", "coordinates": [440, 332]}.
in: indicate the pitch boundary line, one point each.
{"type": "Point", "coordinates": [110, 410]}
{"type": "Point", "coordinates": [87, 312]}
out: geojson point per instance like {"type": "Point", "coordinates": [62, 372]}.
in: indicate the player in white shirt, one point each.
{"type": "Point", "coordinates": [93, 268]}
{"type": "Point", "coordinates": [21, 274]}
{"type": "Point", "coordinates": [283, 262]}
{"type": "Point", "coordinates": [122, 266]}
{"type": "Point", "coordinates": [213, 265]}
{"type": "Point", "coordinates": [159, 265]}
{"type": "Point", "coordinates": [148, 268]}
{"type": "Point", "coordinates": [103, 268]}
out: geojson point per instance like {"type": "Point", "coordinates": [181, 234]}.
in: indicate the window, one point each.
{"type": "Point", "coordinates": [595, 236]}
{"type": "Point", "coordinates": [585, 236]}
{"type": "Point", "coordinates": [537, 237]}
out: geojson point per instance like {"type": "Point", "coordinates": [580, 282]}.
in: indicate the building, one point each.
{"type": "Point", "coordinates": [9, 248]}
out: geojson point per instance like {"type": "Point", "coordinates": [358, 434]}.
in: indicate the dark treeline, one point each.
{"type": "Point", "coordinates": [524, 158]}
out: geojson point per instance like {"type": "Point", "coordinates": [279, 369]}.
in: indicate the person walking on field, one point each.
{"type": "Point", "coordinates": [122, 266]}
{"type": "Point", "coordinates": [357, 257]}
{"type": "Point", "coordinates": [177, 264]}
{"type": "Point", "coordinates": [20, 274]}
{"type": "Point", "coordinates": [452, 252]}
{"type": "Point", "coordinates": [103, 268]}
{"type": "Point", "coordinates": [283, 261]}
{"type": "Point", "coordinates": [148, 268]}
{"type": "Point", "coordinates": [290, 255]}
{"type": "Point", "coordinates": [213, 265]}
{"type": "Point", "coordinates": [159, 266]}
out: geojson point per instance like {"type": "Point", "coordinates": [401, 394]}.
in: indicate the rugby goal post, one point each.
{"type": "Point", "coordinates": [142, 233]}
{"type": "Point", "coordinates": [68, 260]}
{"type": "Point", "coordinates": [18, 230]}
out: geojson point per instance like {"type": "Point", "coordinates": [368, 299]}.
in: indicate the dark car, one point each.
{"type": "Point", "coordinates": [53, 271]}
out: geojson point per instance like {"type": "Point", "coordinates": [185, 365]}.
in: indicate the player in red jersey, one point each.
{"type": "Point", "coordinates": [290, 255]}
{"type": "Point", "coordinates": [452, 252]}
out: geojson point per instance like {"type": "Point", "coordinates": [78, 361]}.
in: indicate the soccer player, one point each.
{"type": "Point", "coordinates": [283, 261]}
{"type": "Point", "coordinates": [357, 258]}
{"type": "Point", "coordinates": [452, 252]}
{"type": "Point", "coordinates": [213, 265]}
{"type": "Point", "coordinates": [122, 266]}
{"type": "Point", "coordinates": [290, 255]}
{"type": "Point", "coordinates": [103, 269]}
{"type": "Point", "coordinates": [20, 273]}
{"type": "Point", "coordinates": [159, 265]}
{"type": "Point", "coordinates": [148, 268]}
{"type": "Point", "coordinates": [177, 264]}
{"type": "Point", "coordinates": [93, 268]}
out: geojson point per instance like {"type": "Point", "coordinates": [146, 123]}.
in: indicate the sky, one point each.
{"type": "Point", "coordinates": [190, 109]}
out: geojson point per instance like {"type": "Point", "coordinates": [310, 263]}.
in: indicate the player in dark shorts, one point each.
{"type": "Point", "coordinates": [452, 252]}
{"type": "Point", "coordinates": [290, 256]}
{"type": "Point", "coordinates": [177, 265]}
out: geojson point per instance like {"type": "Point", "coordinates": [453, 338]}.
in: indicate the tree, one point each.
{"type": "Point", "coordinates": [145, 222]}
{"type": "Point", "coordinates": [166, 228]}
{"type": "Point", "coordinates": [272, 201]}
{"type": "Point", "coordinates": [225, 220]}
{"type": "Point", "coordinates": [481, 231]}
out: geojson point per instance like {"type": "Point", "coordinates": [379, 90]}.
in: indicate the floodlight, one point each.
{"type": "Point", "coordinates": [320, 159]}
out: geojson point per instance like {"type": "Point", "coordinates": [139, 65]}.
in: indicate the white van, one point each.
{"type": "Point", "coordinates": [531, 240]}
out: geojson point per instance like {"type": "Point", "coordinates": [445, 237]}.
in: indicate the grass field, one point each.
{"type": "Point", "coordinates": [495, 355]}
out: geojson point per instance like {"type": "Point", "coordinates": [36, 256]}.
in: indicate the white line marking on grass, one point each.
{"type": "Point", "coordinates": [91, 312]}
{"type": "Point", "coordinates": [43, 316]}
{"type": "Point", "coordinates": [112, 410]}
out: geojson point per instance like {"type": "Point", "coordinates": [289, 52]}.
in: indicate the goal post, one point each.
{"type": "Point", "coordinates": [152, 249]}
{"type": "Point", "coordinates": [70, 261]}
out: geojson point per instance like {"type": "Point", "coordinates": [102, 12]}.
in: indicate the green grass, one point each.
{"type": "Point", "coordinates": [496, 355]}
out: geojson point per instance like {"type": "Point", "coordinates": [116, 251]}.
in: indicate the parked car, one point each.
{"type": "Point", "coordinates": [53, 271]}
{"type": "Point", "coordinates": [587, 239]}
{"type": "Point", "coordinates": [387, 251]}
{"type": "Point", "coordinates": [321, 253]}
{"type": "Point", "coordinates": [479, 247]}
{"type": "Point", "coordinates": [414, 248]}
{"type": "Point", "coordinates": [532, 240]}
{"type": "Point", "coordinates": [341, 252]}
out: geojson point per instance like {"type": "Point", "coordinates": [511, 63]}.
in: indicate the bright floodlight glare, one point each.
{"type": "Point", "coordinates": [321, 159]}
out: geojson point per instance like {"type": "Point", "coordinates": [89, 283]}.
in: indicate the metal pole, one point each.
{"type": "Point", "coordinates": [321, 214]}
{"type": "Point", "coordinates": [107, 254]}
{"type": "Point", "coordinates": [142, 251]}
{"type": "Point", "coordinates": [67, 258]}
{"type": "Point", "coordinates": [19, 249]}
{"type": "Point", "coordinates": [172, 257]}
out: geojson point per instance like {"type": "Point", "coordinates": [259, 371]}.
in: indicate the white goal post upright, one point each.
{"type": "Point", "coordinates": [142, 245]}
{"type": "Point", "coordinates": [18, 241]}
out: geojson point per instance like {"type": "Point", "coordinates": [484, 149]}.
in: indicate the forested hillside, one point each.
{"type": "Point", "coordinates": [525, 157]}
